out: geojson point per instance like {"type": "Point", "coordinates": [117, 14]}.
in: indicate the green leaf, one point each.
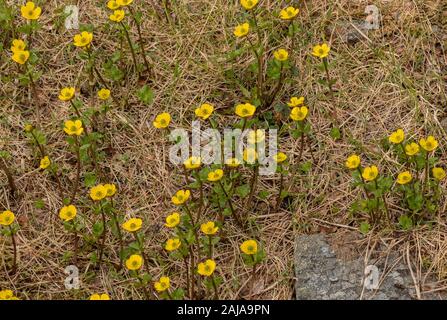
{"type": "Point", "coordinates": [243, 191]}
{"type": "Point", "coordinates": [365, 227]}
{"type": "Point", "coordinates": [335, 133]}
{"type": "Point", "coordinates": [98, 229]}
{"type": "Point", "coordinates": [405, 222]}
{"type": "Point", "coordinates": [39, 204]}
{"type": "Point", "coordinates": [89, 179]}
{"type": "Point", "coordinates": [146, 95]}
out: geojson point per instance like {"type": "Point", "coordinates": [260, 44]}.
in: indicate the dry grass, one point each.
{"type": "Point", "coordinates": [393, 77]}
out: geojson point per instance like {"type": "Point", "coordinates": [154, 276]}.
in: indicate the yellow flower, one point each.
{"type": "Point", "coordinates": [181, 197]}
{"type": "Point", "coordinates": [98, 192]}
{"type": "Point", "coordinates": [241, 30]}
{"type": "Point", "coordinates": [113, 5]}
{"type": "Point", "coordinates": [404, 177]}
{"type": "Point", "coordinates": [83, 39]}
{"type": "Point", "coordinates": [21, 57]}
{"type": "Point", "coordinates": [288, 13]}
{"type": "Point", "coordinates": [250, 155]}
{"type": "Point", "coordinates": [280, 157]}
{"type": "Point", "coordinates": [321, 51]}
{"type": "Point", "coordinates": [352, 162]}
{"type": "Point", "coordinates": [117, 16]}
{"type": "Point", "coordinates": [162, 120]}
{"type": "Point", "coordinates": [110, 189]}
{"type": "Point", "coordinates": [245, 110]}
{"type": "Point", "coordinates": [411, 149]}
{"type": "Point", "coordinates": [281, 55]}
{"type": "Point", "coordinates": [438, 173]}
{"type": "Point", "coordinates": [256, 136]}
{"type": "Point", "coordinates": [192, 163]}
{"type": "Point", "coordinates": [163, 284]}
{"type": "Point", "coordinates": [6, 218]}
{"type": "Point", "coordinates": [30, 11]}
{"type": "Point", "coordinates": [67, 94]}
{"type": "Point", "coordinates": [209, 228]}
{"type": "Point", "coordinates": [45, 162]}
{"type": "Point", "coordinates": [206, 268]}
{"type": "Point", "coordinates": [73, 127]}
{"type": "Point", "coordinates": [249, 247]}
{"type": "Point", "coordinates": [97, 296]}
{"type": "Point", "coordinates": [397, 136]}
{"type": "Point", "coordinates": [18, 45]}
{"type": "Point", "coordinates": [299, 113]}
{"type": "Point", "coordinates": [295, 102]}
{"type": "Point", "coordinates": [172, 220]}
{"type": "Point", "coordinates": [104, 94]}
{"type": "Point", "coordinates": [134, 262]}
{"type": "Point", "coordinates": [204, 111]}
{"type": "Point", "coordinates": [133, 224]}
{"type": "Point", "coordinates": [124, 2]}
{"type": "Point", "coordinates": [7, 295]}
{"type": "Point", "coordinates": [215, 175]}
{"type": "Point", "coordinates": [173, 244]}
{"type": "Point", "coordinates": [249, 4]}
{"type": "Point", "coordinates": [29, 127]}
{"type": "Point", "coordinates": [429, 144]}
{"type": "Point", "coordinates": [68, 213]}
{"type": "Point", "coordinates": [232, 162]}
{"type": "Point", "coordinates": [370, 173]}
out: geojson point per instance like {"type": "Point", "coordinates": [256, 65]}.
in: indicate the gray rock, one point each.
{"type": "Point", "coordinates": [321, 274]}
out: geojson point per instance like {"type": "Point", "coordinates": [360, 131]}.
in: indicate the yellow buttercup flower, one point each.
{"type": "Point", "coordinates": [124, 2]}
{"type": "Point", "coordinates": [299, 113]}
{"type": "Point", "coordinates": [250, 155]}
{"type": "Point", "coordinates": [192, 163]}
{"type": "Point", "coordinates": [6, 218]}
{"type": "Point", "coordinates": [73, 128]}
{"type": "Point", "coordinates": [215, 175]}
{"type": "Point", "coordinates": [97, 296]}
{"type": "Point", "coordinates": [45, 162]}
{"type": "Point", "coordinates": [98, 192]}
{"type": "Point", "coordinates": [133, 224]}
{"type": "Point", "coordinates": [232, 162]}
{"type": "Point", "coordinates": [204, 111]}
{"type": "Point", "coordinates": [321, 51]}
{"type": "Point", "coordinates": [404, 177]}
{"type": "Point", "coordinates": [181, 197]}
{"type": "Point", "coordinates": [281, 55]}
{"type": "Point", "coordinates": [256, 136]}
{"type": "Point", "coordinates": [245, 110]}
{"type": "Point", "coordinates": [163, 284]}
{"type": "Point", "coordinates": [117, 16]}
{"type": "Point", "coordinates": [162, 120]}
{"type": "Point", "coordinates": [249, 247]}
{"type": "Point", "coordinates": [68, 213]}
{"type": "Point", "coordinates": [295, 102]}
{"type": "Point", "coordinates": [7, 295]}
{"type": "Point", "coordinates": [172, 220]}
{"type": "Point", "coordinates": [241, 30]}
{"type": "Point", "coordinates": [411, 149]}
{"type": "Point", "coordinates": [110, 189]}
{"type": "Point", "coordinates": [21, 57]}
{"type": "Point", "coordinates": [370, 173]}
{"type": "Point", "coordinates": [113, 5]}
{"type": "Point", "coordinates": [104, 94]}
{"type": "Point", "coordinates": [280, 157]}
{"type": "Point", "coordinates": [172, 244]}
{"type": "Point", "coordinates": [67, 94]}
{"type": "Point", "coordinates": [249, 4]}
{"type": "Point", "coordinates": [209, 228]}
{"type": "Point", "coordinates": [29, 127]}
{"type": "Point", "coordinates": [206, 268]}
{"type": "Point", "coordinates": [352, 162]}
{"type": "Point", "coordinates": [429, 144]}
{"type": "Point", "coordinates": [289, 13]}
{"type": "Point", "coordinates": [83, 39]}
{"type": "Point", "coordinates": [18, 45]}
{"type": "Point", "coordinates": [30, 11]}
{"type": "Point", "coordinates": [397, 136]}
{"type": "Point", "coordinates": [134, 262]}
{"type": "Point", "coordinates": [438, 173]}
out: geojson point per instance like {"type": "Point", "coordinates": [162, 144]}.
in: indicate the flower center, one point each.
{"type": "Point", "coordinates": [73, 128]}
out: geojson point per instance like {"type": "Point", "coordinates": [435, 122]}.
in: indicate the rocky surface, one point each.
{"type": "Point", "coordinates": [325, 271]}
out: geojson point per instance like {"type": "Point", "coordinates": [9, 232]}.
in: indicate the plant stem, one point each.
{"type": "Point", "coordinates": [14, 246]}
{"type": "Point", "coordinates": [281, 183]}
{"type": "Point", "coordinates": [41, 148]}
{"type": "Point", "coordinates": [12, 185]}
{"type": "Point", "coordinates": [120, 236]}
{"type": "Point", "coordinates": [191, 253]}
{"type": "Point", "coordinates": [253, 183]}
{"type": "Point", "coordinates": [140, 39]}
{"type": "Point", "coordinates": [230, 204]}
{"type": "Point", "coordinates": [210, 244]}
{"type": "Point", "coordinates": [131, 48]}
{"type": "Point", "coordinates": [426, 186]}
{"type": "Point", "coordinates": [216, 292]}
{"type": "Point", "coordinates": [104, 231]}
{"type": "Point", "coordinates": [146, 293]}
{"type": "Point", "coordinates": [75, 243]}
{"type": "Point", "coordinates": [78, 170]}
